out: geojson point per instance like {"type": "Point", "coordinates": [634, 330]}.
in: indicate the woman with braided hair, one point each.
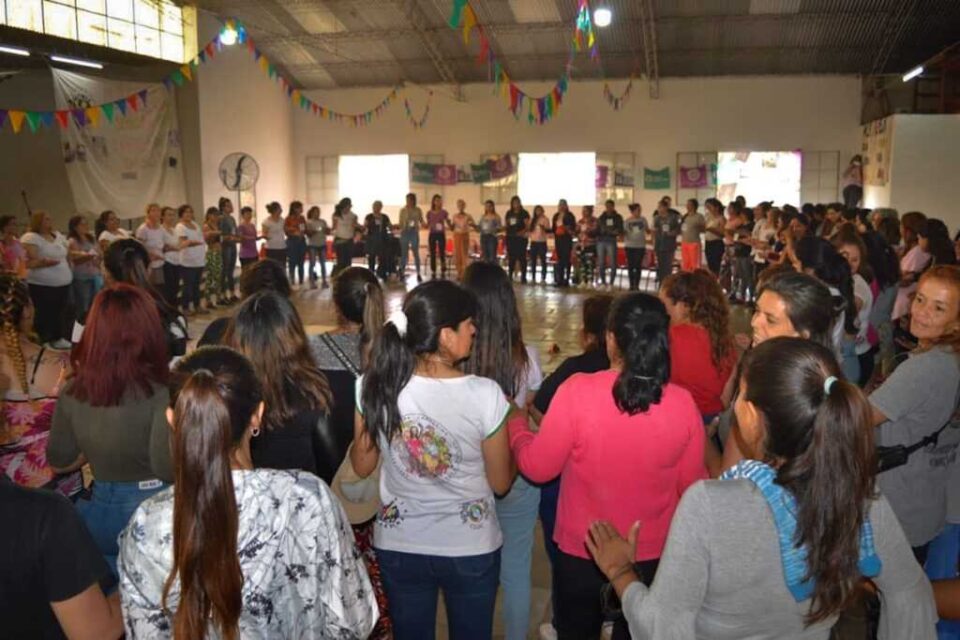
{"type": "Point", "coordinates": [35, 374]}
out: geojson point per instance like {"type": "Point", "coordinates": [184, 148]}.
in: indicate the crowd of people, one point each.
{"type": "Point", "coordinates": [690, 481]}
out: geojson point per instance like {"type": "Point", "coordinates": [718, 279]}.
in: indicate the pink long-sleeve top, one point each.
{"type": "Point", "coordinates": [613, 466]}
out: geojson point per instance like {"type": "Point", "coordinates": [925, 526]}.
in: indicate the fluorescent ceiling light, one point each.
{"type": "Point", "coordinates": [228, 36]}
{"type": "Point", "coordinates": [913, 73]}
{"type": "Point", "coordinates": [602, 17]}
{"type": "Point", "coordinates": [77, 61]}
{"type": "Point", "coordinates": [16, 51]}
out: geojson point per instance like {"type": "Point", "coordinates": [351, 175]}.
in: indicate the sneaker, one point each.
{"type": "Point", "coordinates": [547, 632]}
{"type": "Point", "coordinates": [60, 345]}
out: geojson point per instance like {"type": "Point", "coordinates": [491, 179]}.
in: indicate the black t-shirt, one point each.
{"type": "Point", "coordinates": [306, 442]}
{"type": "Point", "coordinates": [377, 229]}
{"type": "Point", "coordinates": [589, 362]}
{"type": "Point", "coordinates": [564, 225]}
{"type": "Point", "coordinates": [48, 556]}
{"type": "Point", "coordinates": [515, 222]}
{"type": "Point", "coordinates": [610, 225]}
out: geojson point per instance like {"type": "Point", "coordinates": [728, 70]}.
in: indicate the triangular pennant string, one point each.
{"type": "Point", "coordinates": [107, 111]}
{"type": "Point", "coordinates": [16, 119]}
{"type": "Point", "coordinates": [3, 117]}
{"type": "Point", "coordinates": [93, 115]}
{"type": "Point", "coordinates": [33, 121]}
{"type": "Point", "coordinates": [47, 118]}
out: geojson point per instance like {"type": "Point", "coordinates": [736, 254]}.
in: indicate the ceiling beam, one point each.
{"type": "Point", "coordinates": [418, 20]}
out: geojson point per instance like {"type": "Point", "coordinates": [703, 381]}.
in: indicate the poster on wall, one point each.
{"type": "Point", "coordinates": [656, 179]}
{"type": "Point", "coordinates": [877, 148]}
{"type": "Point", "coordinates": [125, 165]}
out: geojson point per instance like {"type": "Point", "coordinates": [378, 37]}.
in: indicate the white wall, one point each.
{"type": "Point", "coordinates": [817, 113]}
{"type": "Point", "coordinates": [924, 167]}
{"type": "Point", "coordinates": [241, 110]}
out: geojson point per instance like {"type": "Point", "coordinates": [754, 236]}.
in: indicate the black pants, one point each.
{"type": "Point", "coordinates": [538, 250]}
{"type": "Point", "coordinates": [377, 259]}
{"type": "Point", "coordinates": [578, 586]}
{"type": "Point", "coordinates": [664, 264]}
{"type": "Point", "coordinates": [634, 266]}
{"type": "Point", "coordinates": [852, 193]}
{"type": "Point", "coordinates": [563, 267]}
{"type": "Point", "coordinates": [714, 252]}
{"type": "Point", "coordinates": [344, 251]}
{"type": "Point", "coordinates": [517, 255]}
{"type": "Point", "coordinates": [228, 280]}
{"type": "Point", "coordinates": [51, 306]}
{"type": "Point", "coordinates": [280, 255]}
{"type": "Point", "coordinates": [488, 248]}
{"type": "Point", "coordinates": [191, 286]}
{"type": "Point", "coordinates": [437, 242]}
{"type": "Point", "coordinates": [171, 283]}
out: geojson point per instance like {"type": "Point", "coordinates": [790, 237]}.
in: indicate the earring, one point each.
{"type": "Point", "coordinates": [255, 432]}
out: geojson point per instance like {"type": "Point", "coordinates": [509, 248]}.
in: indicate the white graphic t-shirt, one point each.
{"type": "Point", "coordinates": [433, 486]}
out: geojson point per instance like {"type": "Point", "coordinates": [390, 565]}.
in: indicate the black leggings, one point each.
{"type": "Point", "coordinates": [171, 283]}
{"type": "Point", "coordinates": [191, 286]}
{"type": "Point", "coordinates": [564, 249]}
{"type": "Point", "coordinates": [437, 242]}
{"type": "Point", "coordinates": [50, 310]}
{"type": "Point", "coordinates": [344, 251]}
{"type": "Point", "coordinates": [538, 250]}
{"type": "Point", "coordinates": [517, 255]}
{"type": "Point", "coordinates": [578, 587]}
{"type": "Point", "coordinates": [714, 252]}
{"type": "Point", "coordinates": [634, 265]}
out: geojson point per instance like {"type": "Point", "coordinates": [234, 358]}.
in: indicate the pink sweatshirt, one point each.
{"type": "Point", "coordinates": [613, 466]}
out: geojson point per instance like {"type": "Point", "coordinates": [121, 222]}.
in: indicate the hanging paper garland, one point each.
{"type": "Point", "coordinates": [422, 121]}
{"type": "Point", "coordinates": [617, 102]}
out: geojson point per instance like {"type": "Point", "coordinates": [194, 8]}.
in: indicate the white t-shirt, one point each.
{"type": "Point", "coordinates": [861, 291]}
{"type": "Point", "coordinates": [433, 484]}
{"type": "Point", "coordinates": [276, 238]}
{"type": "Point", "coordinates": [532, 379]}
{"type": "Point", "coordinates": [110, 238]}
{"type": "Point", "coordinates": [763, 230]}
{"type": "Point", "coordinates": [195, 256]}
{"type": "Point", "coordinates": [153, 240]}
{"type": "Point", "coordinates": [171, 239]}
{"type": "Point", "coordinates": [58, 275]}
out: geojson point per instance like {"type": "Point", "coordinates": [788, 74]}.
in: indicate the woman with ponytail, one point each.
{"type": "Point", "coordinates": [231, 551]}
{"type": "Point", "coordinates": [444, 453]}
{"type": "Point", "coordinates": [778, 546]}
{"type": "Point", "coordinates": [626, 444]}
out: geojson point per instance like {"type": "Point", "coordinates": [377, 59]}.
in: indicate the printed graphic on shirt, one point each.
{"type": "Point", "coordinates": [390, 516]}
{"type": "Point", "coordinates": [425, 449]}
{"type": "Point", "coordinates": [474, 513]}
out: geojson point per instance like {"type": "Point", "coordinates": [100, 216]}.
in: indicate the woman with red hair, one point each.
{"type": "Point", "coordinates": [112, 412]}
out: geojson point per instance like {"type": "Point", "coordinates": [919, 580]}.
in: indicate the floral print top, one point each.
{"type": "Point", "coordinates": [302, 574]}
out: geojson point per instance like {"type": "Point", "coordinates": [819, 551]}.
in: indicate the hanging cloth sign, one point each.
{"type": "Point", "coordinates": [656, 179]}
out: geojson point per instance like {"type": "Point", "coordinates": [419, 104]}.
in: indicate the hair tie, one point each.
{"type": "Point", "coordinates": [635, 377]}
{"type": "Point", "coordinates": [828, 384]}
{"type": "Point", "coordinates": [399, 320]}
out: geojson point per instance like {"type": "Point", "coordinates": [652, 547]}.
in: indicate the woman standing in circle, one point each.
{"type": "Point", "coordinates": [713, 235]}
{"type": "Point", "coordinates": [490, 226]}
{"type": "Point", "coordinates": [344, 231]}
{"type": "Point", "coordinates": [517, 225]}
{"type": "Point", "coordinates": [500, 354]}
{"type": "Point", "coordinates": [317, 245]}
{"type": "Point", "coordinates": [49, 277]}
{"type": "Point", "coordinates": [411, 221]}
{"type": "Point", "coordinates": [231, 550]}
{"type": "Point", "coordinates": [213, 280]}
{"type": "Point", "coordinates": [626, 444]}
{"type": "Point", "coordinates": [86, 259]}
{"type": "Point", "coordinates": [437, 221]}
{"type": "Point", "coordinates": [539, 228]}
{"type": "Point", "coordinates": [13, 254]}
{"type": "Point", "coordinates": [108, 230]}
{"type": "Point", "coordinates": [461, 223]}
{"type": "Point", "coordinates": [193, 250]}
{"type": "Point", "coordinates": [779, 546]}
{"type": "Point", "coordinates": [171, 257]}
{"type": "Point", "coordinates": [439, 434]}
{"type": "Point", "coordinates": [294, 226]}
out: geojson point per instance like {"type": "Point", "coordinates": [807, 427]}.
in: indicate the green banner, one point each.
{"type": "Point", "coordinates": [480, 173]}
{"type": "Point", "coordinates": [423, 173]}
{"type": "Point", "coordinates": [656, 179]}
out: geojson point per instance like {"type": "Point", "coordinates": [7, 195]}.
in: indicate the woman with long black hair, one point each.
{"type": "Point", "coordinates": [778, 547]}
{"type": "Point", "coordinates": [444, 452]}
{"type": "Point", "coordinates": [626, 444]}
{"type": "Point", "coordinates": [231, 551]}
{"type": "Point", "coordinates": [500, 354]}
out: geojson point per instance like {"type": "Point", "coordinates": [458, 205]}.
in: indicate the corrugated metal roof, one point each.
{"type": "Point", "coordinates": [325, 43]}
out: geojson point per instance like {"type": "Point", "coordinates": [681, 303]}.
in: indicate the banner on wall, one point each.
{"type": "Point", "coordinates": [125, 166]}
{"type": "Point", "coordinates": [877, 149]}
{"type": "Point", "coordinates": [621, 179]}
{"type": "Point", "coordinates": [656, 179]}
{"type": "Point", "coordinates": [603, 172]}
{"type": "Point", "coordinates": [693, 177]}
{"type": "Point", "coordinates": [427, 173]}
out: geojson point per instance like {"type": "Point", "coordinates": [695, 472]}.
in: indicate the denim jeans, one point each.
{"type": "Point", "coordinates": [412, 582]}
{"type": "Point", "coordinates": [84, 290]}
{"type": "Point", "coordinates": [517, 512]}
{"type": "Point", "coordinates": [410, 241]}
{"type": "Point", "coordinates": [318, 255]}
{"type": "Point", "coordinates": [228, 278]}
{"type": "Point", "coordinates": [607, 253]}
{"type": "Point", "coordinates": [850, 364]}
{"type": "Point", "coordinates": [488, 248]}
{"type": "Point", "coordinates": [296, 251]}
{"type": "Point", "coordinates": [108, 510]}
{"type": "Point", "coordinates": [942, 563]}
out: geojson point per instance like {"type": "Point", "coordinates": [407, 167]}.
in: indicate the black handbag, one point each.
{"type": "Point", "coordinates": [898, 455]}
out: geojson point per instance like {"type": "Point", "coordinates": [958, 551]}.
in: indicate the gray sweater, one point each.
{"type": "Point", "coordinates": [721, 577]}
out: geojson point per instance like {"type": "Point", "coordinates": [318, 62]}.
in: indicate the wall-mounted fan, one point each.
{"type": "Point", "coordinates": [239, 172]}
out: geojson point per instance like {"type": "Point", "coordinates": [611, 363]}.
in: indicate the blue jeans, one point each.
{"type": "Point", "coordinates": [943, 557]}
{"type": "Point", "coordinates": [412, 582]}
{"type": "Point", "coordinates": [517, 512]}
{"type": "Point", "coordinates": [410, 240]}
{"type": "Point", "coordinates": [318, 254]}
{"type": "Point", "coordinates": [108, 510]}
{"type": "Point", "coordinates": [84, 290]}
{"type": "Point", "coordinates": [849, 363]}
{"type": "Point", "coordinates": [488, 248]}
{"type": "Point", "coordinates": [296, 251]}
{"type": "Point", "coordinates": [607, 253]}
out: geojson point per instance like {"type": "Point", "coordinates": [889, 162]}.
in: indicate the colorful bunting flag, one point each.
{"type": "Point", "coordinates": [47, 118]}
{"type": "Point", "coordinates": [185, 70]}
{"type": "Point", "coordinates": [33, 121]}
{"type": "Point", "coordinates": [93, 115]}
{"type": "Point", "coordinates": [63, 118]}
{"type": "Point", "coordinates": [143, 96]}
{"type": "Point", "coordinates": [469, 22]}
{"type": "Point", "coordinates": [16, 119]}
{"type": "Point", "coordinates": [132, 102]}
{"type": "Point", "coordinates": [3, 117]}
{"type": "Point", "coordinates": [108, 111]}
